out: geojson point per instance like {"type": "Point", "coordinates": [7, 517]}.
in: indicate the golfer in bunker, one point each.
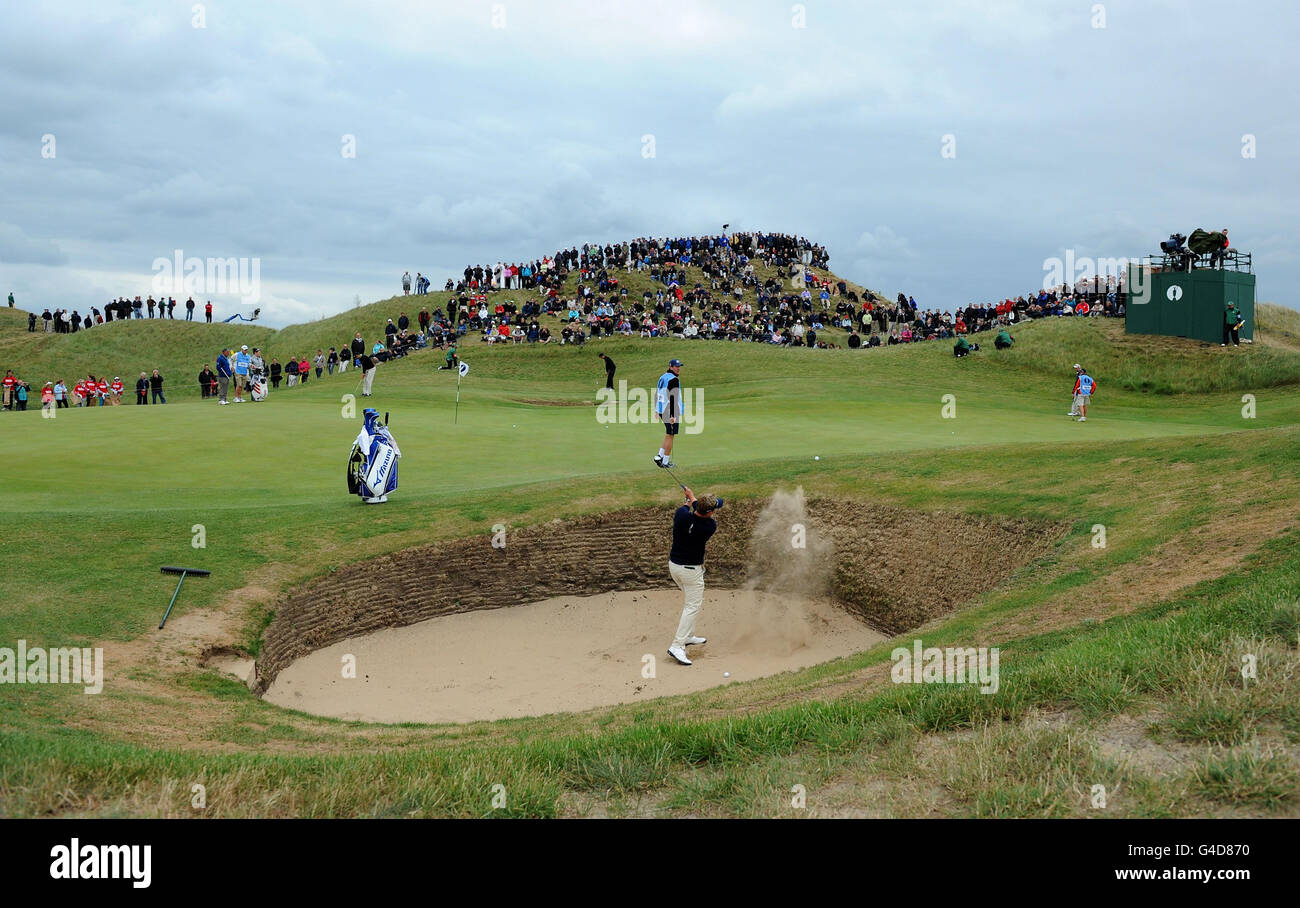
{"type": "Point", "coordinates": [693, 524]}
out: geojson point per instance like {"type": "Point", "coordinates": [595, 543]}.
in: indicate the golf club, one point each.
{"type": "Point", "coordinates": [675, 479]}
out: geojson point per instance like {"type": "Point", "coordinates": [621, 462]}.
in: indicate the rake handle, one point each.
{"type": "Point", "coordinates": [173, 602]}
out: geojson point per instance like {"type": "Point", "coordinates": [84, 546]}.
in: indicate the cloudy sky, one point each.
{"type": "Point", "coordinates": [942, 147]}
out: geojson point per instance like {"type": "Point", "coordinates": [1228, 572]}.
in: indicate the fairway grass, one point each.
{"type": "Point", "coordinates": [1121, 664]}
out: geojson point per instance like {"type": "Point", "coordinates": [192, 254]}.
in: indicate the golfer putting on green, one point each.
{"type": "Point", "coordinates": [693, 524]}
{"type": "Point", "coordinates": [668, 407]}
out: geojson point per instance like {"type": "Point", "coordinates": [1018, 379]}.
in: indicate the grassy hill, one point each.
{"type": "Point", "coordinates": [1046, 347]}
{"type": "Point", "coordinates": [1119, 661]}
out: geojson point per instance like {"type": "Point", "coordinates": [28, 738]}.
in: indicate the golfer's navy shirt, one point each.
{"type": "Point", "coordinates": [690, 533]}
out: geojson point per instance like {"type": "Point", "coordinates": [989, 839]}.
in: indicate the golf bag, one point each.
{"type": "Point", "coordinates": [372, 467]}
{"type": "Point", "coordinates": [257, 386]}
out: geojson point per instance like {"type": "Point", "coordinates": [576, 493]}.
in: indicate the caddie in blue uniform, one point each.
{"type": "Point", "coordinates": [668, 407]}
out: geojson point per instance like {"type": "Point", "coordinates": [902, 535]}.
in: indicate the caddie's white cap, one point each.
{"type": "Point", "coordinates": [1077, 366]}
{"type": "Point", "coordinates": [245, 347]}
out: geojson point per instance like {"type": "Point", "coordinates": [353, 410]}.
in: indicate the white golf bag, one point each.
{"type": "Point", "coordinates": [257, 386]}
{"type": "Point", "coordinates": [372, 468]}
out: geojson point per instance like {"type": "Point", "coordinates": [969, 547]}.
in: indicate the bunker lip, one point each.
{"type": "Point", "coordinates": [893, 568]}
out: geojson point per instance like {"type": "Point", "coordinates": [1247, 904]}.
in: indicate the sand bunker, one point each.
{"type": "Point", "coordinates": [463, 630]}
{"type": "Point", "coordinates": [564, 654]}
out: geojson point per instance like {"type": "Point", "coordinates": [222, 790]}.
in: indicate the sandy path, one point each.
{"type": "Point", "coordinates": [564, 654]}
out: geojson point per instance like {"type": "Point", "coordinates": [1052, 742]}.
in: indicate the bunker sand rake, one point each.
{"type": "Point", "coordinates": [184, 572]}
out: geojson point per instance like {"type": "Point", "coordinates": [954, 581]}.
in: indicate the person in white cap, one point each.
{"type": "Point", "coordinates": [242, 361]}
{"type": "Point", "coordinates": [1074, 401]}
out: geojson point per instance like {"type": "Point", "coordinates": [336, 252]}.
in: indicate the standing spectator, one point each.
{"type": "Point", "coordinates": [156, 386]}
{"type": "Point", "coordinates": [103, 390]}
{"type": "Point", "coordinates": [142, 390]}
{"type": "Point", "coordinates": [406, 284]}
{"type": "Point", "coordinates": [609, 371]}
{"type": "Point", "coordinates": [11, 299]}
{"type": "Point", "coordinates": [223, 375]}
{"type": "Point", "coordinates": [358, 346]}
{"type": "Point", "coordinates": [20, 395]}
{"type": "Point", "coordinates": [367, 374]}
{"type": "Point", "coordinates": [151, 305]}
{"type": "Point", "coordinates": [403, 322]}
{"type": "Point", "coordinates": [276, 371]}
{"type": "Point", "coordinates": [47, 397]}
{"type": "Point", "coordinates": [332, 361]}
{"type": "Point", "coordinates": [116, 389]}
{"type": "Point", "coordinates": [1232, 322]}
{"type": "Point", "coordinates": [136, 306]}
{"type": "Point", "coordinates": [291, 370]}
{"type": "Point", "coordinates": [171, 307]}
{"type": "Point", "coordinates": [60, 395]}
{"type": "Point", "coordinates": [304, 370]}
{"type": "Point", "coordinates": [48, 320]}
{"type": "Point", "coordinates": [31, 322]}
{"type": "Point", "coordinates": [207, 311]}
{"type": "Point", "coordinates": [319, 363]}
{"type": "Point", "coordinates": [189, 309]}
{"type": "Point", "coordinates": [9, 383]}
{"type": "Point", "coordinates": [205, 382]}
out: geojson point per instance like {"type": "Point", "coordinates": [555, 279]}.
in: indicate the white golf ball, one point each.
{"type": "Point", "coordinates": [726, 674]}
{"type": "Point", "coordinates": [817, 457]}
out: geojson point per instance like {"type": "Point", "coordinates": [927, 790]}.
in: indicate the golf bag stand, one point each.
{"type": "Point", "coordinates": [372, 466]}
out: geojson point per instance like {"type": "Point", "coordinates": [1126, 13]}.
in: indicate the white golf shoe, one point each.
{"type": "Point", "coordinates": [696, 641]}
{"type": "Point", "coordinates": [679, 653]}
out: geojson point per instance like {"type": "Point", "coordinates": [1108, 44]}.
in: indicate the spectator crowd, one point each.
{"type": "Point", "coordinates": [61, 321]}
{"type": "Point", "coordinates": [750, 287]}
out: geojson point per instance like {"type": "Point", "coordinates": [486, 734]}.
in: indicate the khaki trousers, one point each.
{"type": "Point", "coordinates": [369, 376]}
{"type": "Point", "coordinates": [691, 583]}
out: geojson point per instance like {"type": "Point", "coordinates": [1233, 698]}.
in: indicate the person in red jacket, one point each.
{"type": "Point", "coordinates": [9, 384]}
{"type": "Point", "coordinates": [102, 390]}
{"type": "Point", "coordinates": [47, 396]}
{"type": "Point", "coordinates": [207, 311]}
{"type": "Point", "coordinates": [116, 387]}
{"type": "Point", "coordinates": [79, 392]}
